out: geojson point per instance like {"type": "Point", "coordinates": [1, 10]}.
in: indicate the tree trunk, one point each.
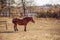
{"type": "Point", "coordinates": [24, 10]}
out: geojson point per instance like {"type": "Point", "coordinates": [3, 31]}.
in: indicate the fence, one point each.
{"type": "Point", "coordinates": [3, 24]}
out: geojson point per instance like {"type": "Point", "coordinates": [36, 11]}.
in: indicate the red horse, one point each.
{"type": "Point", "coordinates": [23, 21]}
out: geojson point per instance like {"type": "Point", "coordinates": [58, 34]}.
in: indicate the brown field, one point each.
{"type": "Point", "coordinates": [42, 29]}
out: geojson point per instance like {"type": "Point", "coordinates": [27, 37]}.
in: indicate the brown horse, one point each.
{"type": "Point", "coordinates": [23, 21]}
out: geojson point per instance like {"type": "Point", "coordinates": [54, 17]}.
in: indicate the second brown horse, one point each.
{"type": "Point", "coordinates": [23, 21]}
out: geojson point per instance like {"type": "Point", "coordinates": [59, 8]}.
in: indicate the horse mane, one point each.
{"type": "Point", "coordinates": [24, 18]}
{"type": "Point", "coordinates": [27, 17]}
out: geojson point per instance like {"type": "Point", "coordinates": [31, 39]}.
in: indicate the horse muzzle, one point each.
{"type": "Point", "coordinates": [33, 21]}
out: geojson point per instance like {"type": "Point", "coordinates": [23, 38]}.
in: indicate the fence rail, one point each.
{"type": "Point", "coordinates": [3, 23]}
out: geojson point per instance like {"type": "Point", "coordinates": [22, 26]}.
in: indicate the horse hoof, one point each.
{"type": "Point", "coordinates": [25, 30]}
{"type": "Point", "coordinates": [17, 30]}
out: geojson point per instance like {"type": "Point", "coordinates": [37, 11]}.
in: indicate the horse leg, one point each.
{"type": "Point", "coordinates": [15, 27]}
{"type": "Point", "coordinates": [25, 28]}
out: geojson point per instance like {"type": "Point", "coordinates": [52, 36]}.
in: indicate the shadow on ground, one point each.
{"type": "Point", "coordinates": [7, 31]}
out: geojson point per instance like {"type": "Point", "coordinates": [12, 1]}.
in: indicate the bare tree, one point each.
{"type": "Point", "coordinates": [25, 4]}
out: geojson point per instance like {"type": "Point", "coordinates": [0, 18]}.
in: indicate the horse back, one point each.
{"type": "Point", "coordinates": [18, 21]}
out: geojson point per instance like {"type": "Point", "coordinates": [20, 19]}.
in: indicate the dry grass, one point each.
{"type": "Point", "coordinates": [42, 30]}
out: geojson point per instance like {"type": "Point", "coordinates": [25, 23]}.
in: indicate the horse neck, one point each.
{"type": "Point", "coordinates": [27, 20]}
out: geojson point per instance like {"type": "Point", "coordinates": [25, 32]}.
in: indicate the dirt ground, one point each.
{"type": "Point", "coordinates": [42, 29]}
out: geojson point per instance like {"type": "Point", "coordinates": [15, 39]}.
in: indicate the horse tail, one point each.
{"type": "Point", "coordinates": [14, 21]}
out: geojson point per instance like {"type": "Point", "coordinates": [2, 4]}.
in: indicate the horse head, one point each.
{"type": "Point", "coordinates": [29, 19]}
{"type": "Point", "coordinates": [32, 20]}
